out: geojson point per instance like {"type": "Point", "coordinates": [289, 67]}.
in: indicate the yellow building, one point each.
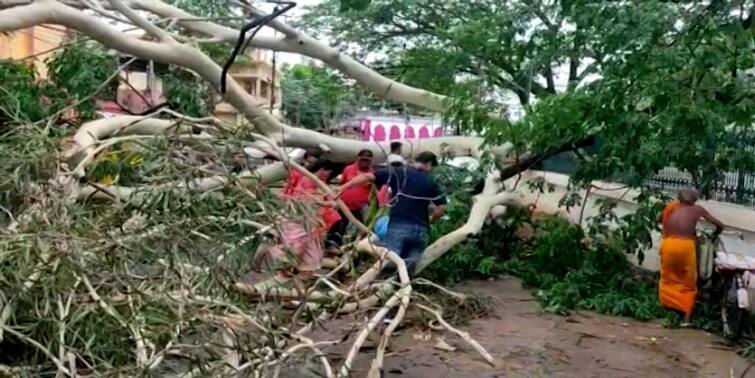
{"type": "Point", "coordinates": [33, 44]}
{"type": "Point", "coordinates": [255, 74]}
{"type": "Point", "coordinates": [259, 79]}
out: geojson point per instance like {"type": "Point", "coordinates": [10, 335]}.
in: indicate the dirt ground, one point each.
{"type": "Point", "coordinates": [528, 343]}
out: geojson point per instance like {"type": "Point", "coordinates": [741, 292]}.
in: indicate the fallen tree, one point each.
{"type": "Point", "coordinates": [153, 279]}
{"type": "Point", "coordinates": [77, 268]}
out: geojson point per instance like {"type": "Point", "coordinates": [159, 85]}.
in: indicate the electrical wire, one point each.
{"type": "Point", "coordinates": [256, 23]}
{"type": "Point", "coordinates": [400, 193]}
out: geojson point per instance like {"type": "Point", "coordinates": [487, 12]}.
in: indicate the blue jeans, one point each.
{"type": "Point", "coordinates": [409, 241]}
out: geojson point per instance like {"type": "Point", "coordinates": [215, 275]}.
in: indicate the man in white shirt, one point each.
{"type": "Point", "coordinates": [395, 159]}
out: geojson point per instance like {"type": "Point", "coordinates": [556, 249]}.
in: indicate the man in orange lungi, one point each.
{"type": "Point", "coordinates": [678, 285]}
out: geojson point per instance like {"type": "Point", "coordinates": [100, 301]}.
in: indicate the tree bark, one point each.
{"type": "Point", "coordinates": [297, 42]}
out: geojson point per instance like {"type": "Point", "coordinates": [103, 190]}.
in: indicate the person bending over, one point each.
{"type": "Point", "coordinates": [678, 285]}
{"type": "Point", "coordinates": [356, 198]}
{"type": "Point", "coordinates": [413, 193]}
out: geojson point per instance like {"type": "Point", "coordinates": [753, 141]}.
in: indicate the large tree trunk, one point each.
{"type": "Point", "coordinates": [163, 46]}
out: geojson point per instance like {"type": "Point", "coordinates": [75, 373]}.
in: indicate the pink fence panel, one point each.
{"type": "Point", "coordinates": [387, 129]}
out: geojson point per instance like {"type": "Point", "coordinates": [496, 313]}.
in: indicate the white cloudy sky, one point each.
{"type": "Point", "coordinates": [292, 14]}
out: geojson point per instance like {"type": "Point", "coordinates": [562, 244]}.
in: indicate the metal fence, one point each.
{"type": "Point", "coordinates": [733, 187]}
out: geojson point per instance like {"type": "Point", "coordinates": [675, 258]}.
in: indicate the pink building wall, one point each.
{"type": "Point", "coordinates": [382, 129]}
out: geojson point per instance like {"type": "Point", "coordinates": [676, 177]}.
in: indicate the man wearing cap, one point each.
{"type": "Point", "coordinates": [413, 192]}
{"type": "Point", "coordinates": [393, 160]}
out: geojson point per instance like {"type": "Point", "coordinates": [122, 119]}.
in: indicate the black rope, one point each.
{"type": "Point", "coordinates": [242, 42]}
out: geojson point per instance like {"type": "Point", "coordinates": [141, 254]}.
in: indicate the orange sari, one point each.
{"type": "Point", "coordinates": [678, 285]}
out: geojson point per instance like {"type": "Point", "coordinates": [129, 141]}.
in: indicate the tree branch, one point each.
{"type": "Point", "coordinates": [483, 203]}
{"type": "Point", "coordinates": [338, 149]}
{"type": "Point", "coordinates": [298, 42]}
{"type": "Point", "coordinates": [140, 21]}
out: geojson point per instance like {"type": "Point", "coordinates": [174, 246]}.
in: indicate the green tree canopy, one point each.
{"type": "Point", "coordinates": [511, 47]}
{"type": "Point", "coordinates": [66, 71]}
{"type": "Point", "coordinates": [314, 97]}
{"type": "Point", "coordinates": [657, 83]}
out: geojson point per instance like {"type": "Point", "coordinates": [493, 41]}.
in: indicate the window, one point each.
{"type": "Point", "coordinates": [250, 86]}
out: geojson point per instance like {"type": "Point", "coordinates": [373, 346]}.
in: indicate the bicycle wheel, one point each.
{"type": "Point", "coordinates": [735, 320]}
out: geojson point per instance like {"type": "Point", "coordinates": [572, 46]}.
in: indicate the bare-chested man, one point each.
{"type": "Point", "coordinates": [678, 285]}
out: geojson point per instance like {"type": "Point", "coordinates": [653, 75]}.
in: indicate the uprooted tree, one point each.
{"type": "Point", "coordinates": [127, 280]}
{"type": "Point", "coordinates": [146, 275]}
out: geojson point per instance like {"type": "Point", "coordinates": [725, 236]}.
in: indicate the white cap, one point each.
{"type": "Point", "coordinates": [393, 158]}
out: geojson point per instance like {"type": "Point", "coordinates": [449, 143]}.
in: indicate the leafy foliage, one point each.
{"type": "Point", "coordinates": [480, 257]}
{"type": "Point", "coordinates": [569, 268]}
{"type": "Point", "coordinates": [66, 73]}
{"type": "Point", "coordinates": [566, 272]}
{"type": "Point", "coordinates": [20, 96]}
{"type": "Point", "coordinates": [347, 5]}
{"type": "Point", "coordinates": [187, 94]}
{"type": "Point", "coordinates": [658, 84]}
{"type": "Point", "coordinates": [313, 97]}
{"type": "Point", "coordinates": [136, 256]}
{"type": "Point", "coordinates": [24, 97]}
{"type": "Point", "coordinates": [24, 160]}
{"type": "Point", "coordinates": [571, 273]}
{"type": "Point", "coordinates": [673, 90]}
{"type": "Point", "coordinates": [512, 47]}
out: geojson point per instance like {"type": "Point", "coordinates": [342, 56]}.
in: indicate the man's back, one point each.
{"type": "Point", "coordinates": [413, 191]}
{"type": "Point", "coordinates": [683, 221]}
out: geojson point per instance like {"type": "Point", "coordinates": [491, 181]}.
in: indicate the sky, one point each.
{"type": "Point", "coordinates": [290, 16]}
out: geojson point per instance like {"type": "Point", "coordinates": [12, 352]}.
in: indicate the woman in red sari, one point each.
{"type": "Point", "coordinates": [302, 238]}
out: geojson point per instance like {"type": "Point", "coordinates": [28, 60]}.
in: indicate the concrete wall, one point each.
{"type": "Point", "coordinates": [735, 217]}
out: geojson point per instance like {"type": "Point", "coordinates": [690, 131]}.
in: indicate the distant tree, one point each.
{"type": "Point", "coordinates": [20, 94]}
{"type": "Point", "coordinates": [314, 97]}
{"type": "Point", "coordinates": [65, 69]}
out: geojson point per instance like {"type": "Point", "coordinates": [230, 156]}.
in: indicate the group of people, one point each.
{"type": "Point", "coordinates": [415, 200]}
{"type": "Point", "coordinates": [406, 188]}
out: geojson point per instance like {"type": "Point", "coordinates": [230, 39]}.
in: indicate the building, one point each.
{"type": "Point", "coordinates": [139, 88]}
{"type": "Point", "coordinates": [259, 77]}
{"type": "Point", "coordinates": [381, 127]}
{"type": "Point", "coordinates": [35, 44]}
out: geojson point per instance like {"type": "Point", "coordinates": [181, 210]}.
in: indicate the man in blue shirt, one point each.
{"type": "Point", "coordinates": [413, 192]}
